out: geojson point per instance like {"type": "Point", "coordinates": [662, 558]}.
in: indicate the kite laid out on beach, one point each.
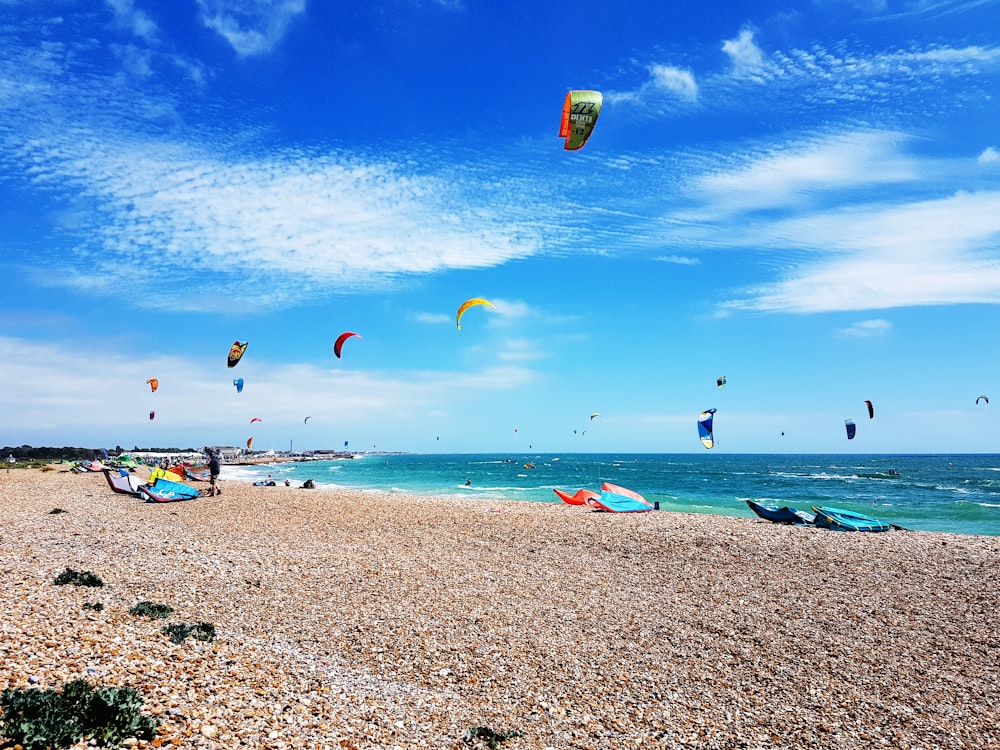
{"type": "Point", "coordinates": [982, 398]}
{"type": "Point", "coordinates": [705, 428]}
{"type": "Point", "coordinates": [153, 384]}
{"type": "Point", "coordinates": [615, 499]}
{"type": "Point", "coordinates": [579, 116]}
{"type": "Point", "coordinates": [851, 428]}
{"type": "Point", "coordinates": [611, 498]}
{"type": "Point", "coordinates": [580, 497]}
{"type": "Point", "coordinates": [339, 343]}
{"type": "Point", "coordinates": [871, 409]}
{"type": "Point", "coordinates": [238, 382]}
{"type": "Point", "coordinates": [721, 381]}
{"type": "Point", "coordinates": [236, 353]}
{"type": "Point", "coordinates": [470, 303]}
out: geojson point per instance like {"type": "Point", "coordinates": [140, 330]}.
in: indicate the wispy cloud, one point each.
{"type": "Point", "coordinates": [925, 9]}
{"type": "Point", "coordinates": [665, 82]}
{"type": "Point", "coordinates": [883, 256]}
{"type": "Point", "coordinates": [857, 219]}
{"type": "Point", "coordinates": [867, 328]}
{"type": "Point", "coordinates": [251, 27]}
{"type": "Point", "coordinates": [813, 79]}
{"type": "Point", "coordinates": [680, 260]}
{"type": "Point", "coordinates": [792, 173]}
{"type": "Point", "coordinates": [129, 17]}
{"type": "Point", "coordinates": [433, 318]}
{"type": "Point", "coordinates": [250, 225]}
{"type": "Point", "coordinates": [862, 223]}
{"type": "Point", "coordinates": [58, 387]}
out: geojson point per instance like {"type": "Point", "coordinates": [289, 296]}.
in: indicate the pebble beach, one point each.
{"type": "Point", "coordinates": [349, 619]}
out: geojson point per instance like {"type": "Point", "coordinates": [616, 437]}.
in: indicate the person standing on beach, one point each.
{"type": "Point", "coordinates": [213, 470]}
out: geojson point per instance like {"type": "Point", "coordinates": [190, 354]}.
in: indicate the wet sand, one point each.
{"type": "Point", "coordinates": [366, 620]}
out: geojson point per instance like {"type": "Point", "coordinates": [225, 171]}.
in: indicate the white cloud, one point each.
{"type": "Point", "coordinates": [325, 221]}
{"type": "Point", "coordinates": [680, 260]}
{"type": "Point", "coordinates": [884, 256]}
{"type": "Point", "coordinates": [252, 27]}
{"type": "Point", "coordinates": [675, 80]}
{"type": "Point", "coordinates": [889, 86]}
{"type": "Point", "coordinates": [520, 350]}
{"type": "Point", "coordinates": [276, 227]}
{"type": "Point", "coordinates": [433, 318]}
{"type": "Point", "coordinates": [989, 156]}
{"type": "Point", "coordinates": [135, 21]}
{"type": "Point", "coordinates": [794, 172]}
{"type": "Point", "coordinates": [668, 82]}
{"type": "Point", "coordinates": [58, 391]}
{"type": "Point", "coordinates": [744, 54]}
{"type": "Point", "coordinates": [867, 328]}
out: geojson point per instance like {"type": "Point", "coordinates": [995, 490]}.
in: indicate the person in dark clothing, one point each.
{"type": "Point", "coordinates": [213, 470]}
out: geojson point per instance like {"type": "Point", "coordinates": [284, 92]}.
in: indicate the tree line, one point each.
{"type": "Point", "coordinates": [69, 453]}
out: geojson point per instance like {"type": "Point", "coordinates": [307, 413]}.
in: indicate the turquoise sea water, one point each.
{"type": "Point", "coordinates": [953, 493]}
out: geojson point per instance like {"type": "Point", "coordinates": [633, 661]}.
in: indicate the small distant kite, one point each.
{"type": "Point", "coordinates": [250, 443]}
{"type": "Point", "coordinates": [236, 353]}
{"type": "Point", "coordinates": [982, 398]}
{"type": "Point", "coordinates": [238, 382]}
{"type": "Point", "coordinates": [306, 420]}
{"type": "Point", "coordinates": [871, 409]}
{"type": "Point", "coordinates": [466, 305]}
{"type": "Point", "coordinates": [595, 414]}
{"type": "Point", "coordinates": [579, 116]}
{"type": "Point", "coordinates": [153, 384]}
{"type": "Point", "coordinates": [340, 341]}
{"type": "Point", "coordinates": [851, 428]}
{"type": "Point", "coordinates": [255, 419]}
{"type": "Point", "coordinates": [152, 416]}
{"type": "Point", "coordinates": [705, 431]}
{"type": "Point", "coordinates": [720, 381]}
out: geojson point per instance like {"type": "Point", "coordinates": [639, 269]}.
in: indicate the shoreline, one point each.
{"type": "Point", "coordinates": [930, 494]}
{"type": "Point", "coordinates": [352, 619]}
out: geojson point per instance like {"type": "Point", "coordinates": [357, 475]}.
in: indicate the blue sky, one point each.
{"type": "Point", "coordinates": [804, 197]}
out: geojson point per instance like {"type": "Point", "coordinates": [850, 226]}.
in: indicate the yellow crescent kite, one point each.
{"type": "Point", "coordinates": [470, 303]}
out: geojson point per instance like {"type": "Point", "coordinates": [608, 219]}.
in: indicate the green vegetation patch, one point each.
{"type": "Point", "coordinates": [40, 719]}
{"type": "Point", "coordinates": [202, 631]}
{"type": "Point", "coordinates": [96, 606]}
{"type": "Point", "coordinates": [492, 738]}
{"type": "Point", "coordinates": [149, 609]}
{"type": "Point", "coordinates": [55, 511]}
{"type": "Point", "coordinates": [86, 578]}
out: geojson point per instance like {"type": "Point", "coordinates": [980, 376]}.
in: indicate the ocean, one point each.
{"type": "Point", "coordinates": [945, 493]}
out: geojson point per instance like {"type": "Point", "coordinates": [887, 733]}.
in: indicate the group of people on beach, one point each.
{"type": "Point", "coordinates": [215, 465]}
